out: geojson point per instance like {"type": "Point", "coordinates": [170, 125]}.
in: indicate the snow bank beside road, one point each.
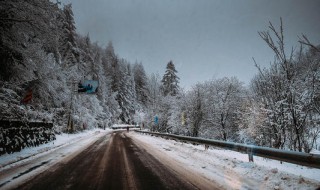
{"type": "Point", "coordinates": [33, 162]}
{"type": "Point", "coordinates": [232, 169]}
{"type": "Point", "coordinates": [61, 140]}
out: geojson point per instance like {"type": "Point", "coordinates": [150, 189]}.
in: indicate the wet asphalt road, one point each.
{"type": "Point", "coordinates": [112, 162]}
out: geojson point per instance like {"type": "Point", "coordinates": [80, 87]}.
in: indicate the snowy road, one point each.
{"type": "Point", "coordinates": [103, 161]}
{"type": "Point", "coordinates": [120, 160]}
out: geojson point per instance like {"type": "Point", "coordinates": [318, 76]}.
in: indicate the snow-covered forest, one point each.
{"type": "Point", "coordinates": [41, 52]}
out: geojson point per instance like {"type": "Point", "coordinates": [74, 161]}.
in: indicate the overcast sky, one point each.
{"type": "Point", "coordinates": [205, 39]}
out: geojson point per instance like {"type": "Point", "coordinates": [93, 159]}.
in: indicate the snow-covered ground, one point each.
{"type": "Point", "coordinates": [231, 169]}
{"type": "Point", "coordinates": [228, 168]}
{"type": "Point", "coordinates": [62, 140]}
{"type": "Point", "coordinates": [21, 166]}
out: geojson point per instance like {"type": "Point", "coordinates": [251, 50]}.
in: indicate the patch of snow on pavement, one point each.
{"type": "Point", "coordinates": [232, 169]}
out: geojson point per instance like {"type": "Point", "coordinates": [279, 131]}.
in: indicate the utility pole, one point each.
{"type": "Point", "coordinates": [70, 125]}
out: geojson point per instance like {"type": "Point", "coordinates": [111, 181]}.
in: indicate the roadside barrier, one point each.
{"type": "Point", "coordinates": [125, 126]}
{"type": "Point", "coordinates": [16, 135]}
{"type": "Point", "coordinates": [300, 158]}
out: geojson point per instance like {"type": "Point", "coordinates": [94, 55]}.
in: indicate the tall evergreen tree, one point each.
{"type": "Point", "coordinates": [126, 94]}
{"type": "Point", "coordinates": [140, 79]}
{"type": "Point", "coordinates": [25, 27]}
{"type": "Point", "coordinates": [112, 67]}
{"type": "Point", "coordinates": [68, 50]}
{"type": "Point", "coordinates": [170, 80]}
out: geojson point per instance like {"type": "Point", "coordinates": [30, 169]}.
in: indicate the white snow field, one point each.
{"type": "Point", "coordinates": [230, 169]}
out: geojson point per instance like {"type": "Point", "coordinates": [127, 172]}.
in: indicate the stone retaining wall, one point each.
{"type": "Point", "coordinates": [16, 135]}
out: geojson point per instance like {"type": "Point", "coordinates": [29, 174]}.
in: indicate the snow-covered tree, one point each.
{"type": "Point", "coordinates": [196, 110]}
{"type": "Point", "coordinates": [160, 107]}
{"type": "Point", "coordinates": [252, 120]}
{"type": "Point", "coordinates": [288, 90]}
{"type": "Point", "coordinates": [170, 80]}
{"type": "Point", "coordinates": [154, 85]}
{"type": "Point", "coordinates": [69, 52]}
{"type": "Point", "coordinates": [112, 67]}
{"type": "Point", "coordinates": [141, 88]}
{"type": "Point", "coordinates": [23, 25]}
{"type": "Point", "coordinates": [223, 100]}
{"type": "Point", "coordinates": [126, 95]}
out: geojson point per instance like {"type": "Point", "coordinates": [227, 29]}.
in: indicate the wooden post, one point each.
{"type": "Point", "coordinates": [250, 154]}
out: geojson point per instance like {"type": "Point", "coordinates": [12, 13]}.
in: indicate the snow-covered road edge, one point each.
{"type": "Point", "coordinates": [61, 141]}
{"type": "Point", "coordinates": [15, 174]}
{"type": "Point", "coordinates": [232, 169]}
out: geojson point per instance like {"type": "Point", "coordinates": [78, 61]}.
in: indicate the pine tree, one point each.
{"type": "Point", "coordinates": [141, 87]}
{"type": "Point", "coordinates": [170, 81]}
{"type": "Point", "coordinates": [126, 95]}
{"type": "Point", "coordinates": [68, 50]}
{"type": "Point", "coordinates": [112, 67]}
{"type": "Point", "coordinates": [25, 27]}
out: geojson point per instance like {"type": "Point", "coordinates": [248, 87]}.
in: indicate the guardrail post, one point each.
{"type": "Point", "coordinates": [250, 154]}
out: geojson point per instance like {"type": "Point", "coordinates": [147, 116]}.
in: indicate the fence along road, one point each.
{"type": "Point", "coordinates": [300, 158]}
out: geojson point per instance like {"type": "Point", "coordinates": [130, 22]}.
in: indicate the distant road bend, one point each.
{"type": "Point", "coordinates": [114, 161]}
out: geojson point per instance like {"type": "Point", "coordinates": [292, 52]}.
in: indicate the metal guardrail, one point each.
{"type": "Point", "coordinates": [300, 158]}
{"type": "Point", "coordinates": [125, 126]}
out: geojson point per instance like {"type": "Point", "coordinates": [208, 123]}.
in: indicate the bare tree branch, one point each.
{"type": "Point", "coordinates": [305, 41]}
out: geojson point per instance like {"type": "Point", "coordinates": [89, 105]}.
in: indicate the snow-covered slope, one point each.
{"type": "Point", "coordinates": [231, 169]}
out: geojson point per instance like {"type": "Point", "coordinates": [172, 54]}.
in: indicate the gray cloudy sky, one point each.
{"type": "Point", "coordinates": [205, 39]}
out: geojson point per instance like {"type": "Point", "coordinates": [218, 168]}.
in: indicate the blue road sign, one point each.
{"type": "Point", "coordinates": [156, 120]}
